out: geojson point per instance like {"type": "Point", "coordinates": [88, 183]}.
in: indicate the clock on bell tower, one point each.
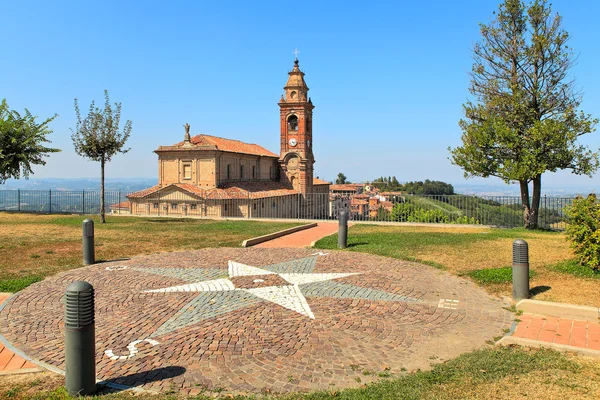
{"type": "Point", "coordinates": [296, 157]}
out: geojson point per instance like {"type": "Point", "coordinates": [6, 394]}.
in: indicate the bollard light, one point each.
{"type": "Point", "coordinates": [80, 346]}
{"type": "Point", "coordinates": [343, 230]}
{"type": "Point", "coordinates": [520, 270]}
{"type": "Point", "coordinates": [89, 256]}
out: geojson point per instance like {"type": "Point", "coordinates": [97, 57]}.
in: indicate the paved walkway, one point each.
{"type": "Point", "coordinates": [260, 320]}
{"type": "Point", "coordinates": [561, 331]}
{"type": "Point", "coordinates": [11, 363]}
{"type": "Point", "coordinates": [303, 238]}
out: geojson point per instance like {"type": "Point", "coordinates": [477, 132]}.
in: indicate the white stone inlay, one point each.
{"type": "Point", "coordinates": [320, 253]}
{"type": "Point", "coordinates": [289, 297]}
{"type": "Point", "coordinates": [117, 268]}
{"type": "Point", "coordinates": [299, 279]}
{"type": "Point", "coordinates": [216, 285]}
{"type": "Point", "coordinates": [132, 350]}
{"type": "Point", "coordinates": [239, 269]}
{"type": "Point", "coordinates": [448, 304]}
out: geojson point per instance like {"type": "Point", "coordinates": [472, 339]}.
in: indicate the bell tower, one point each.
{"type": "Point", "coordinates": [296, 157]}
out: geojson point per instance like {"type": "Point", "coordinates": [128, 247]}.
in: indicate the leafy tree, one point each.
{"type": "Point", "coordinates": [341, 179]}
{"type": "Point", "coordinates": [525, 120]}
{"type": "Point", "coordinates": [22, 141]}
{"type": "Point", "coordinates": [98, 138]}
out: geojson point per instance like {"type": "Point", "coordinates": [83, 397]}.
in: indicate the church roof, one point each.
{"type": "Point", "coordinates": [317, 181]}
{"type": "Point", "coordinates": [208, 142]}
{"type": "Point", "coordinates": [233, 190]}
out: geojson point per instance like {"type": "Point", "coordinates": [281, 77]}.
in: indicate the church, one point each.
{"type": "Point", "coordinates": [209, 176]}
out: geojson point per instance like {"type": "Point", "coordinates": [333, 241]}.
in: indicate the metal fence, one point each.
{"type": "Point", "coordinates": [505, 211]}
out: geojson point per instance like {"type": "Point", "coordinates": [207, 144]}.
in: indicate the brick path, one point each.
{"type": "Point", "coordinates": [563, 331]}
{"type": "Point", "coordinates": [302, 238]}
{"type": "Point", "coordinates": [260, 320]}
{"type": "Point", "coordinates": [10, 362]}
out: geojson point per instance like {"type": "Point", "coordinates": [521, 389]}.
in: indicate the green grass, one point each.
{"type": "Point", "coordinates": [456, 378]}
{"type": "Point", "coordinates": [572, 267]}
{"type": "Point", "coordinates": [494, 275]}
{"type": "Point", "coordinates": [42, 245]}
{"type": "Point", "coordinates": [398, 243]}
{"type": "Point", "coordinates": [16, 284]}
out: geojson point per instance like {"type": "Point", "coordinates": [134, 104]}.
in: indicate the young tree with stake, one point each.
{"type": "Point", "coordinates": [98, 138]}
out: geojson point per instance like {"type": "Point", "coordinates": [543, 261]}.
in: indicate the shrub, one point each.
{"type": "Point", "coordinates": [583, 230]}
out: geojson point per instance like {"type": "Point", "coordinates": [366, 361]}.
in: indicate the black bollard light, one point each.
{"type": "Point", "coordinates": [80, 346]}
{"type": "Point", "coordinates": [520, 270]}
{"type": "Point", "coordinates": [343, 230]}
{"type": "Point", "coordinates": [89, 257]}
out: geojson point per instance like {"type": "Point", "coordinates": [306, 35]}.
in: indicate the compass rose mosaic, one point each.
{"type": "Point", "coordinates": [250, 320]}
{"type": "Point", "coordinates": [285, 284]}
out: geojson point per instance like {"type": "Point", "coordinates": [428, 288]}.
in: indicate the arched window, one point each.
{"type": "Point", "coordinates": [293, 123]}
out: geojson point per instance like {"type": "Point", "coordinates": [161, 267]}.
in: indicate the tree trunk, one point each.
{"type": "Point", "coordinates": [525, 203]}
{"type": "Point", "coordinates": [102, 218]}
{"type": "Point", "coordinates": [535, 202]}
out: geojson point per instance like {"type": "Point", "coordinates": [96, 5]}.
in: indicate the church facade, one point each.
{"type": "Point", "coordinates": [210, 176]}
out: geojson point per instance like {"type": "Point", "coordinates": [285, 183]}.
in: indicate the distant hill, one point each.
{"type": "Point", "coordinates": [112, 184]}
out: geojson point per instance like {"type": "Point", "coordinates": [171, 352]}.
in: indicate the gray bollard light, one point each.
{"type": "Point", "coordinates": [343, 230]}
{"type": "Point", "coordinates": [520, 270]}
{"type": "Point", "coordinates": [89, 256]}
{"type": "Point", "coordinates": [80, 346]}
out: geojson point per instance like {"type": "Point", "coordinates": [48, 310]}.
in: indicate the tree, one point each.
{"type": "Point", "coordinates": [98, 138]}
{"type": "Point", "coordinates": [525, 120]}
{"type": "Point", "coordinates": [341, 179]}
{"type": "Point", "coordinates": [22, 142]}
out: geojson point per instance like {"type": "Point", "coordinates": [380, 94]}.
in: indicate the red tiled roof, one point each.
{"type": "Point", "coordinates": [391, 193]}
{"type": "Point", "coordinates": [317, 181]}
{"type": "Point", "coordinates": [123, 204]}
{"type": "Point", "coordinates": [349, 187]}
{"type": "Point", "coordinates": [358, 202]}
{"type": "Point", "coordinates": [207, 142]}
{"type": "Point", "coordinates": [254, 190]}
{"type": "Point", "coordinates": [234, 190]}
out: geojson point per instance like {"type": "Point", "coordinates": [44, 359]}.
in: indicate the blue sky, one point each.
{"type": "Point", "coordinates": [388, 79]}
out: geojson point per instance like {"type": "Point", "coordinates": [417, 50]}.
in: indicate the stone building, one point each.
{"type": "Point", "coordinates": [210, 176]}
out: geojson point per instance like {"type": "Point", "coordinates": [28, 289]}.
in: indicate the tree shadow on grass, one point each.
{"type": "Point", "coordinates": [539, 289]}
{"type": "Point", "coordinates": [139, 379]}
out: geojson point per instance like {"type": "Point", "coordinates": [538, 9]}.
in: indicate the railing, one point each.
{"type": "Point", "coordinates": [504, 211]}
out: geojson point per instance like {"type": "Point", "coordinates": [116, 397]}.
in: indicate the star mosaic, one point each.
{"type": "Point", "coordinates": [286, 284]}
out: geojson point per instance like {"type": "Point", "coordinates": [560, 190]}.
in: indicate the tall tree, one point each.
{"type": "Point", "coordinates": [525, 119]}
{"type": "Point", "coordinates": [341, 179]}
{"type": "Point", "coordinates": [22, 143]}
{"type": "Point", "coordinates": [98, 137]}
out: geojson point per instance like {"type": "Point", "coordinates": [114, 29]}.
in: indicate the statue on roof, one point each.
{"type": "Point", "coordinates": [187, 132]}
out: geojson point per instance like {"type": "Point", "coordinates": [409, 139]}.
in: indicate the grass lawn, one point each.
{"type": "Point", "coordinates": [34, 246]}
{"type": "Point", "coordinates": [492, 373]}
{"type": "Point", "coordinates": [478, 252]}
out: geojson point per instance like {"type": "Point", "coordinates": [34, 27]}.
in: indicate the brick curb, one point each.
{"type": "Point", "coordinates": [275, 235]}
{"type": "Point", "coordinates": [560, 310]}
{"type": "Point", "coordinates": [510, 340]}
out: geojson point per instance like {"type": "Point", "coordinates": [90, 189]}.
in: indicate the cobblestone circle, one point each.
{"type": "Point", "coordinates": [260, 320]}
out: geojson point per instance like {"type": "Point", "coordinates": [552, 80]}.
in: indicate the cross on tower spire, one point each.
{"type": "Point", "coordinates": [296, 53]}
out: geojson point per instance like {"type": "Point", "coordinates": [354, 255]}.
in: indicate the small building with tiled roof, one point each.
{"type": "Point", "coordinates": [207, 175]}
